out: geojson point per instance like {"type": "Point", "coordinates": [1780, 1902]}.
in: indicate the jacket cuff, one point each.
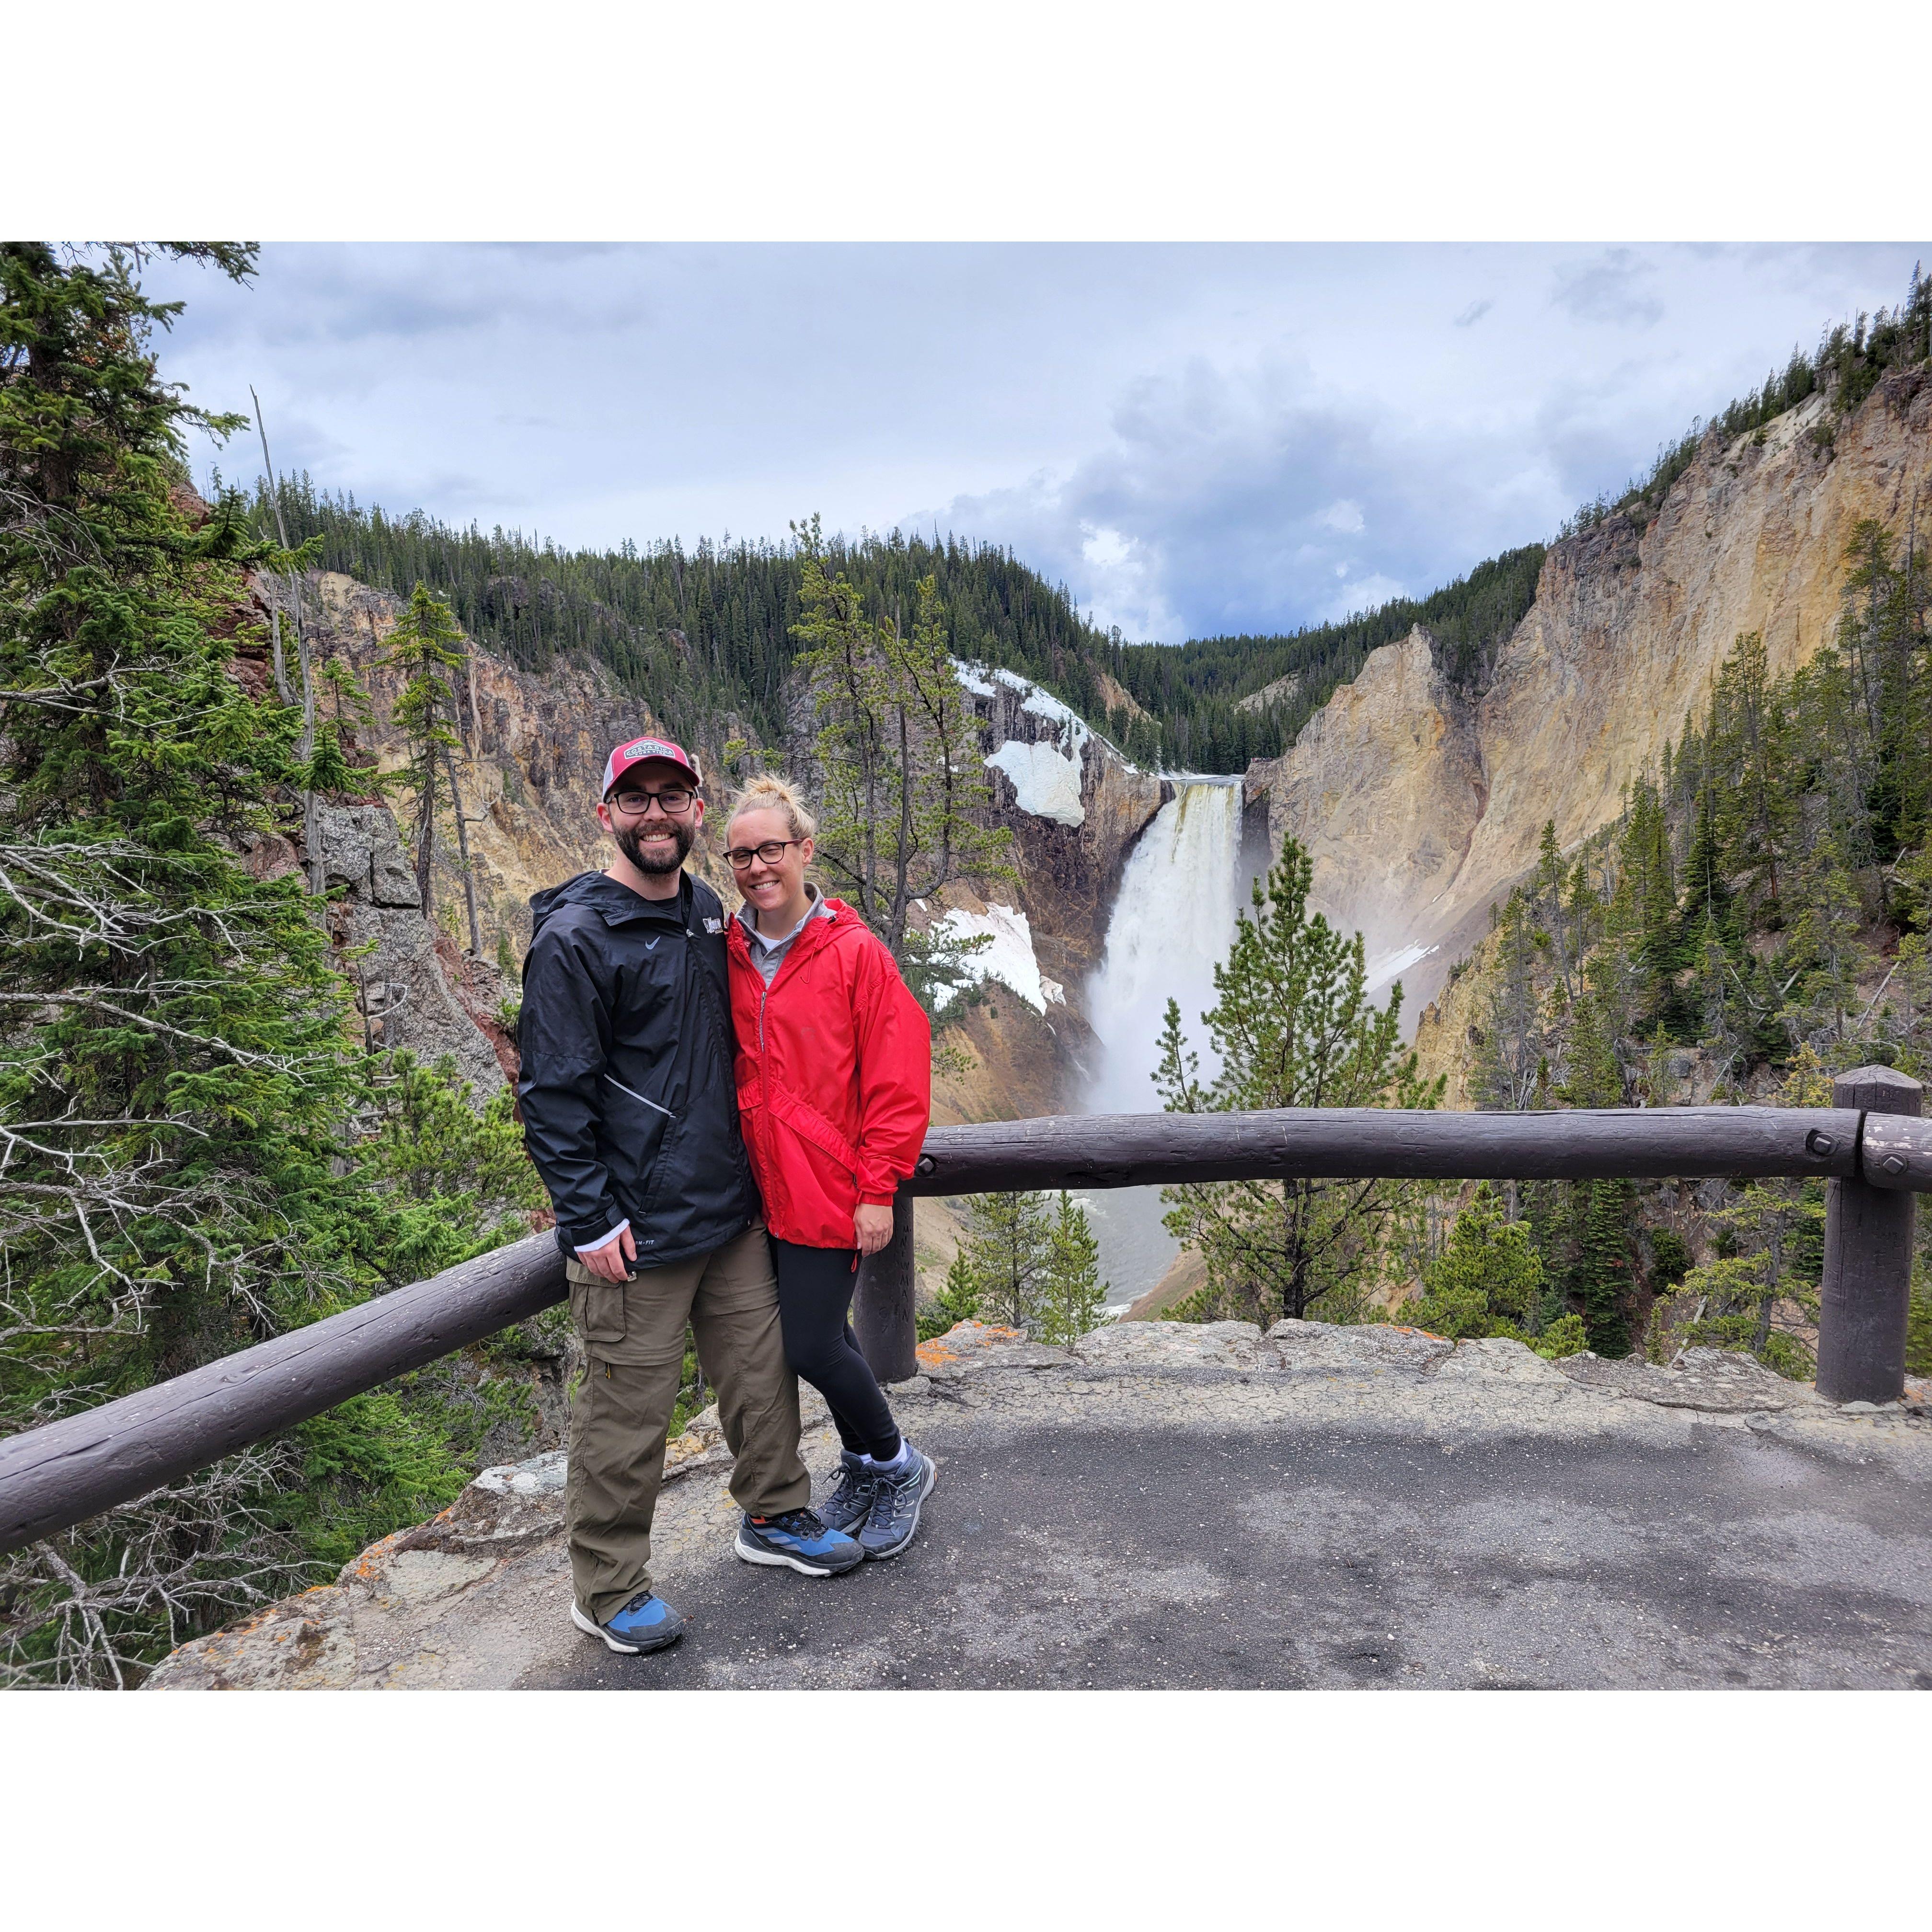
{"type": "Point", "coordinates": [603, 1241]}
{"type": "Point", "coordinates": [874, 1199]}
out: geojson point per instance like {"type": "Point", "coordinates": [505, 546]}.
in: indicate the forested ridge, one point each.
{"type": "Point", "coordinates": [1758, 918]}
{"type": "Point", "coordinates": [708, 635]}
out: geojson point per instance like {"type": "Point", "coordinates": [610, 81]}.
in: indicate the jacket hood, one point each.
{"type": "Point", "coordinates": [599, 894]}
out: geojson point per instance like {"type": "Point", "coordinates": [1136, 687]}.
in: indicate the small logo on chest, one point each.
{"type": "Point", "coordinates": [714, 925]}
{"type": "Point", "coordinates": [651, 945]}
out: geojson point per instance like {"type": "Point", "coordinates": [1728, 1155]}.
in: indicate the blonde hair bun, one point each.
{"type": "Point", "coordinates": [768, 792]}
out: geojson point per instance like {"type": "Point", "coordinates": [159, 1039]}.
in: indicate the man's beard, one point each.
{"type": "Point", "coordinates": [630, 842]}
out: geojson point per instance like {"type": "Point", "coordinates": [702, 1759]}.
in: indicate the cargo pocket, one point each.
{"type": "Point", "coordinates": [597, 1307]}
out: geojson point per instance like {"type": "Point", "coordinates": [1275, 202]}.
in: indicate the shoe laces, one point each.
{"type": "Point", "coordinates": [803, 1523]}
{"type": "Point", "coordinates": [853, 1483]}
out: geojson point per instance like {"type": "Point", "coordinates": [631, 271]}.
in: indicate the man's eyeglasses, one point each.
{"type": "Point", "coordinates": [674, 801]}
{"type": "Point", "coordinates": [766, 854]}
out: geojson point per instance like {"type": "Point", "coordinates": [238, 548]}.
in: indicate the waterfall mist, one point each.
{"type": "Point", "coordinates": [1171, 926]}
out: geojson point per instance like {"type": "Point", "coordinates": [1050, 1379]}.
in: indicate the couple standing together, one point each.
{"type": "Point", "coordinates": [722, 1110]}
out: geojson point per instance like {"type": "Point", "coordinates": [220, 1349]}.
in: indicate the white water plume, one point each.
{"type": "Point", "coordinates": [1171, 926]}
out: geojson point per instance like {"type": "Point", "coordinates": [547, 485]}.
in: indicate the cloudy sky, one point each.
{"type": "Point", "coordinates": [1195, 439]}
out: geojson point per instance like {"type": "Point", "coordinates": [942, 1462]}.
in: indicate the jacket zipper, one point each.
{"type": "Point", "coordinates": [636, 1095]}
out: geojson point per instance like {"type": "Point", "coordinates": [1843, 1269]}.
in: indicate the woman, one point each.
{"type": "Point", "coordinates": [834, 1092]}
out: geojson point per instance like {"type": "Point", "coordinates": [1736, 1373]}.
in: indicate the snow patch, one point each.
{"type": "Point", "coordinates": [1382, 970]}
{"type": "Point", "coordinates": [1046, 781]}
{"type": "Point", "coordinates": [1009, 959]}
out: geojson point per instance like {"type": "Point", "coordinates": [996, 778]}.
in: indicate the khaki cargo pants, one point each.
{"type": "Point", "coordinates": [634, 1336]}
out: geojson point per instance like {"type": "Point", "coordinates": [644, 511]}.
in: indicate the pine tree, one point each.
{"type": "Point", "coordinates": [903, 800]}
{"type": "Point", "coordinates": [1002, 1262]}
{"type": "Point", "coordinates": [1514, 1040]}
{"type": "Point", "coordinates": [426, 646]}
{"type": "Point", "coordinates": [1072, 1293]}
{"type": "Point", "coordinates": [1489, 1280]}
{"type": "Point", "coordinates": [182, 1095]}
{"type": "Point", "coordinates": [1291, 1026]}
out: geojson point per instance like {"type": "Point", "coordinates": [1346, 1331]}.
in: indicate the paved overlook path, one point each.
{"type": "Point", "coordinates": [1178, 1505]}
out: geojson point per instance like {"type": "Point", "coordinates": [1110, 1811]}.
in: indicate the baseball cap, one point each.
{"type": "Point", "coordinates": [637, 750]}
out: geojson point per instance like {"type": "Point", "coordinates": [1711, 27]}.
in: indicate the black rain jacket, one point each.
{"type": "Point", "coordinates": [630, 1107]}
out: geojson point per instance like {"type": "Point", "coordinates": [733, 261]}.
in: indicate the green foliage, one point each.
{"type": "Point", "coordinates": [425, 647]}
{"type": "Point", "coordinates": [1000, 1273]}
{"type": "Point", "coordinates": [1488, 1279]}
{"type": "Point", "coordinates": [1766, 897]}
{"type": "Point", "coordinates": [958, 1301]}
{"type": "Point", "coordinates": [1291, 1026]}
{"type": "Point", "coordinates": [1072, 1293]}
{"type": "Point", "coordinates": [1762, 1295]}
{"type": "Point", "coordinates": [1919, 1322]}
{"type": "Point", "coordinates": [903, 800]}
{"type": "Point", "coordinates": [186, 1111]}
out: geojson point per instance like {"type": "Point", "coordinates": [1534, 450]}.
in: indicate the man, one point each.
{"type": "Point", "coordinates": [630, 1115]}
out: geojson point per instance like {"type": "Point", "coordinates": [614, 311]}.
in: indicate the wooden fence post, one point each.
{"type": "Point", "coordinates": [884, 1317]}
{"type": "Point", "coordinates": [1868, 1284]}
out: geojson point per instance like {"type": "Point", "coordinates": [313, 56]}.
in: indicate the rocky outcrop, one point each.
{"type": "Point", "coordinates": [1074, 805]}
{"type": "Point", "coordinates": [531, 762]}
{"type": "Point", "coordinates": [1385, 788]}
{"type": "Point", "coordinates": [1422, 804]}
{"type": "Point", "coordinates": [414, 989]}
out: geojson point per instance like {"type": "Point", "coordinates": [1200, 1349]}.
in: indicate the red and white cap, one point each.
{"type": "Point", "coordinates": [637, 750]}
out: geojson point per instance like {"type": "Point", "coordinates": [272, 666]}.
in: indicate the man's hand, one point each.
{"type": "Point", "coordinates": [612, 1260]}
{"type": "Point", "coordinates": [873, 1226]}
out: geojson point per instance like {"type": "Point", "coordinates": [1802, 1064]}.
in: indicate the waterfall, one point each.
{"type": "Point", "coordinates": [1171, 926]}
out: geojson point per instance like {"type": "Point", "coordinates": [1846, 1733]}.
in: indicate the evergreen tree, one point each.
{"type": "Point", "coordinates": [183, 1100]}
{"type": "Point", "coordinates": [1291, 1026]}
{"type": "Point", "coordinates": [1002, 1266]}
{"type": "Point", "coordinates": [426, 647]}
{"type": "Point", "coordinates": [903, 801]}
{"type": "Point", "coordinates": [1489, 1280]}
{"type": "Point", "coordinates": [1514, 1040]}
{"type": "Point", "coordinates": [1072, 1293]}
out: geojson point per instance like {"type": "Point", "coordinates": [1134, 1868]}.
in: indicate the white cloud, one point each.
{"type": "Point", "coordinates": [1344, 516]}
{"type": "Point", "coordinates": [1365, 594]}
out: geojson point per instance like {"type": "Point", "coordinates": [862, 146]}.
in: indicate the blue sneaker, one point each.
{"type": "Point", "coordinates": [897, 1493]}
{"type": "Point", "coordinates": [851, 1498]}
{"type": "Point", "coordinates": [645, 1623]}
{"type": "Point", "coordinates": [797, 1540]}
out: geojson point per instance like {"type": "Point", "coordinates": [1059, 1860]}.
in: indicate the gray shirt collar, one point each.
{"type": "Point", "coordinates": [816, 908]}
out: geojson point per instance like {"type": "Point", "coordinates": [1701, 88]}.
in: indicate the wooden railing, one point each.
{"type": "Point", "coordinates": [1871, 1147]}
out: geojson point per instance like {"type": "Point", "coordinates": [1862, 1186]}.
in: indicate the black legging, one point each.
{"type": "Point", "coordinates": [814, 1293]}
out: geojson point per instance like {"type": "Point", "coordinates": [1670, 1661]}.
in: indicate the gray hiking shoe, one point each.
{"type": "Point", "coordinates": [894, 1517]}
{"type": "Point", "coordinates": [850, 1501]}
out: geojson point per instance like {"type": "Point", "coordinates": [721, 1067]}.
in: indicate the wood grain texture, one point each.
{"type": "Point", "coordinates": [1866, 1292]}
{"type": "Point", "coordinates": [60, 1475]}
{"type": "Point", "coordinates": [885, 1316]}
{"type": "Point", "coordinates": [1348, 1143]}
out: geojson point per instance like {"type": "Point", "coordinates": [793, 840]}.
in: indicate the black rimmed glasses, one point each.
{"type": "Point", "coordinates": [673, 801]}
{"type": "Point", "coordinates": [766, 854]}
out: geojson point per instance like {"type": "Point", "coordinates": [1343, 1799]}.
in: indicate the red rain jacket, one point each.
{"type": "Point", "coordinates": [834, 1076]}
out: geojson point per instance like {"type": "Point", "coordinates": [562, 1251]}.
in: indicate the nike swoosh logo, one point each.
{"type": "Point", "coordinates": [650, 945]}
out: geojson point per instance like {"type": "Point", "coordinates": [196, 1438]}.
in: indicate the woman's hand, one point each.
{"type": "Point", "coordinates": [873, 1226]}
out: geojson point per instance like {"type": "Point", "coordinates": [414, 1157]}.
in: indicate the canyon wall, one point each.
{"type": "Point", "coordinates": [530, 767]}
{"type": "Point", "coordinates": [1421, 801]}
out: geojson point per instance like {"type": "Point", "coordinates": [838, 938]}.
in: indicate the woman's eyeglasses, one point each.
{"type": "Point", "coordinates": [674, 801]}
{"type": "Point", "coordinates": [766, 854]}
